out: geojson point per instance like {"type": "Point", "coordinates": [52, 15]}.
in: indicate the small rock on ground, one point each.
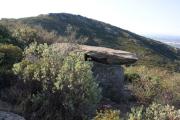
{"type": "Point", "coordinates": [10, 116]}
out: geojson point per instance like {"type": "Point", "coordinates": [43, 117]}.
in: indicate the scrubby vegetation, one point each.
{"type": "Point", "coordinates": [56, 86]}
{"type": "Point", "coordinates": [107, 114]}
{"type": "Point", "coordinates": [154, 84]}
{"type": "Point", "coordinates": [10, 54]}
{"type": "Point", "coordinates": [154, 112]}
{"type": "Point", "coordinates": [150, 52]}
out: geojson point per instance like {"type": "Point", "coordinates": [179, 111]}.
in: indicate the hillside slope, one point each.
{"type": "Point", "coordinates": [150, 52]}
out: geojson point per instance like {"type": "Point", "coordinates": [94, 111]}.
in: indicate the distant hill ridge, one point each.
{"type": "Point", "coordinates": [149, 51]}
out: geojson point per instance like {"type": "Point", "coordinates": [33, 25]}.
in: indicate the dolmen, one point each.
{"type": "Point", "coordinates": [107, 66]}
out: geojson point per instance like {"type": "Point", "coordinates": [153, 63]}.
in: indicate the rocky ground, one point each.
{"type": "Point", "coordinates": [9, 116]}
{"type": "Point", "coordinates": [5, 114]}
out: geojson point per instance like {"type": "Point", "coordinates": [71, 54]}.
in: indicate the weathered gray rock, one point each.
{"type": "Point", "coordinates": [10, 116]}
{"type": "Point", "coordinates": [108, 55]}
{"type": "Point", "coordinates": [101, 54]}
{"type": "Point", "coordinates": [111, 80]}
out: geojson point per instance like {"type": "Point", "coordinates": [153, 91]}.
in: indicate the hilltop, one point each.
{"type": "Point", "coordinates": [97, 33]}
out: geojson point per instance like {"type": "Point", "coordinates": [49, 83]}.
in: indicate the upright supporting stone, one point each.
{"type": "Point", "coordinates": [111, 78]}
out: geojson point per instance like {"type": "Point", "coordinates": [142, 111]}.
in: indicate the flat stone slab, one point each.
{"type": "Point", "coordinates": [108, 55]}
{"type": "Point", "coordinates": [101, 54]}
{"type": "Point", "coordinates": [9, 116]}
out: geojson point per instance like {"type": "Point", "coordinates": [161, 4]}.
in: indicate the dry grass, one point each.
{"type": "Point", "coordinates": [161, 84]}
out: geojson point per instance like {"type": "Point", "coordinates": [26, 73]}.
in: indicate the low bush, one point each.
{"type": "Point", "coordinates": [171, 90]}
{"type": "Point", "coordinates": [130, 77]}
{"type": "Point", "coordinates": [28, 34]}
{"type": "Point", "coordinates": [152, 112]}
{"type": "Point", "coordinates": [136, 113]}
{"type": "Point", "coordinates": [154, 84]}
{"type": "Point", "coordinates": [4, 32]}
{"type": "Point", "coordinates": [144, 86]}
{"type": "Point", "coordinates": [10, 54]}
{"type": "Point", "coordinates": [1, 57]}
{"type": "Point", "coordinates": [108, 114]}
{"type": "Point", "coordinates": [69, 90]}
{"type": "Point", "coordinates": [155, 112]}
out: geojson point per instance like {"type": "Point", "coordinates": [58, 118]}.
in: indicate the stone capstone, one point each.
{"type": "Point", "coordinates": [100, 54]}
{"type": "Point", "coordinates": [107, 55]}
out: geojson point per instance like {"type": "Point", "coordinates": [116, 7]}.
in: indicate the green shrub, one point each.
{"type": "Point", "coordinates": [10, 54]}
{"type": "Point", "coordinates": [171, 87]}
{"type": "Point", "coordinates": [136, 113]}
{"type": "Point", "coordinates": [6, 38]}
{"type": "Point", "coordinates": [130, 77]}
{"type": "Point", "coordinates": [28, 34]}
{"type": "Point", "coordinates": [146, 89]}
{"type": "Point", "coordinates": [155, 112]}
{"type": "Point", "coordinates": [154, 84]}
{"type": "Point", "coordinates": [144, 86]}
{"type": "Point", "coordinates": [4, 32]}
{"type": "Point", "coordinates": [107, 114]}
{"type": "Point", "coordinates": [159, 112]}
{"type": "Point", "coordinates": [69, 90]}
{"type": "Point", "coordinates": [1, 57]}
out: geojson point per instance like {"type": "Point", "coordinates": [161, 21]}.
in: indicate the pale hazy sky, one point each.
{"type": "Point", "coordinates": [140, 16]}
